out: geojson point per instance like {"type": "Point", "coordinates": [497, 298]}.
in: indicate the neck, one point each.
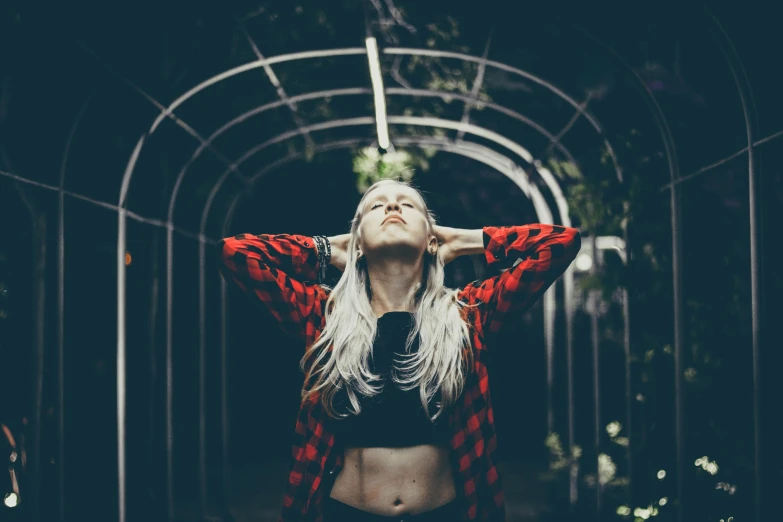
{"type": "Point", "coordinates": [394, 284]}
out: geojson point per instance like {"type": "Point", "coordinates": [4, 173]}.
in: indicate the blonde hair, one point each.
{"type": "Point", "coordinates": [339, 358]}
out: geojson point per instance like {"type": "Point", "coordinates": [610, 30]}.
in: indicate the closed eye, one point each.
{"type": "Point", "coordinates": [380, 205]}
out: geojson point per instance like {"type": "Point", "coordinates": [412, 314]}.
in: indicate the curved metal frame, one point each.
{"type": "Point", "coordinates": [502, 66]}
{"type": "Point", "coordinates": [352, 91]}
{"type": "Point", "coordinates": [127, 176]}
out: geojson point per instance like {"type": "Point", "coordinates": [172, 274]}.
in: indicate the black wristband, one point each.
{"type": "Point", "coordinates": [324, 256]}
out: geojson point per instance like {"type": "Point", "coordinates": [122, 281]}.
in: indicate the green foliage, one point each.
{"type": "Point", "coordinates": [371, 166]}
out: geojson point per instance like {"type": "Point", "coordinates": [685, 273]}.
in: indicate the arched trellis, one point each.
{"type": "Point", "coordinates": [549, 180]}
{"type": "Point", "coordinates": [544, 214]}
{"type": "Point", "coordinates": [508, 167]}
{"type": "Point", "coordinates": [168, 112]}
{"type": "Point", "coordinates": [121, 211]}
{"type": "Point", "coordinates": [480, 153]}
{"type": "Point", "coordinates": [749, 110]}
{"type": "Point", "coordinates": [477, 152]}
{"type": "Point", "coordinates": [519, 72]}
{"type": "Point", "coordinates": [232, 169]}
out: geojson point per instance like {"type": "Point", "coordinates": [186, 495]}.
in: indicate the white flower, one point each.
{"type": "Point", "coordinates": [613, 428]}
{"type": "Point", "coordinates": [606, 469]}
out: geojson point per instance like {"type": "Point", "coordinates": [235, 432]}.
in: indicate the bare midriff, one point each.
{"type": "Point", "coordinates": [393, 481]}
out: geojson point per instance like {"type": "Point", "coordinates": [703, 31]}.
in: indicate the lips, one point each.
{"type": "Point", "coordinates": [393, 218]}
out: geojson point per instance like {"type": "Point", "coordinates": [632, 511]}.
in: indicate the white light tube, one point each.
{"type": "Point", "coordinates": [378, 95]}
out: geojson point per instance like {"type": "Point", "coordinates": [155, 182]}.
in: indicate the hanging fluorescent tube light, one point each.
{"type": "Point", "coordinates": [378, 95]}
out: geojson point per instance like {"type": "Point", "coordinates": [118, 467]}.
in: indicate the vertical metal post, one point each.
{"type": "Point", "coordinates": [594, 337]}
{"type": "Point", "coordinates": [549, 340]}
{"type": "Point", "coordinates": [226, 478]}
{"type": "Point", "coordinates": [678, 342]}
{"type": "Point", "coordinates": [38, 221]}
{"type": "Point", "coordinates": [61, 317]}
{"type": "Point", "coordinates": [568, 284]}
{"type": "Point", "coordinates": [756, 278]}
{"type": "Point", "coordinates": [627, 353]}
{"type": "Point", "coordinates": [61, 352]}
{"type": "Point", "coordinates": [121, 244]}
{"type": "Point", "coordinates": [169, 357]}
{"type": "Point", "coordinates": [756, 267]}
{"type": "Point", "coordinates": [169, 372]}
{"type": "Point", "coordinates": [224, 421]}
{"type": "Point", "coordinates": [152, 319]}
{"type": "Point", "coordinates": [202, 396]}
{"type": "Point", "coordinates": [39, 296]}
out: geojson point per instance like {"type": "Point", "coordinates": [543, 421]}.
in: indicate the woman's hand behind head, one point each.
{"type": "Point", "coordinates": [446, 236]}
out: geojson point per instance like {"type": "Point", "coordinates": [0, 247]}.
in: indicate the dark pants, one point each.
{"type": "Point", "coordinates": [336, 511]}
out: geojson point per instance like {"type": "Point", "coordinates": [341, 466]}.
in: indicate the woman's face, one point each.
{"type": "Point", "coordinates": [394, 223]}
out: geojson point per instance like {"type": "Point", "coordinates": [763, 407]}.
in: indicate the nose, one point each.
{"type": "Point", "coordinates": [393, 205]}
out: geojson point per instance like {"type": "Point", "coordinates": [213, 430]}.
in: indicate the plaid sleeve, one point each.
{"type": "Point", "coordinates": [541, 253]}
{"type": "Point", "coordinates": [275, 269]}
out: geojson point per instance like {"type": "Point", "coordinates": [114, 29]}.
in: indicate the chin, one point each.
{"type": "Point", "coordinates": [398, 249]}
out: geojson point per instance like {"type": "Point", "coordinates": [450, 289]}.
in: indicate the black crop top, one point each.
{"type": "Point", "coordinates": [393, 418]}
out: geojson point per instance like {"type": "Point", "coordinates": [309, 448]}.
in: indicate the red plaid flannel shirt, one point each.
{"type": "Point", "coordinates": [278, 270]}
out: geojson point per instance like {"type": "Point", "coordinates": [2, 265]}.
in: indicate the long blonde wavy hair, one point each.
{"type": "Point", "coordinates": [339, 358]}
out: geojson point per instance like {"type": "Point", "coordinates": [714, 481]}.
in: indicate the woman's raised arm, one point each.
{"type": "Point", "coordinates": [534, 255]}
{"type": "Point", "coordinates": [279, 270]}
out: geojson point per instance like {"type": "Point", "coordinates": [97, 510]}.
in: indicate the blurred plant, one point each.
{"type": "Point", "coordinates": [602, 205]}
{"type": "Point", "coordinates": [371, 166]}
{"type": "Point", "coordinates": [561, 464]}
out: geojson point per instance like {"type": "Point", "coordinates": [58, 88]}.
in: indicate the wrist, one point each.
{"type": "Point", "coordinates": [324, 253]}
{"type": "Point", "coordinates": [339, 246]}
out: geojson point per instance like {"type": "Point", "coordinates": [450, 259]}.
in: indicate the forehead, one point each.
{"type": "Point", "coordinates": [392, 191]}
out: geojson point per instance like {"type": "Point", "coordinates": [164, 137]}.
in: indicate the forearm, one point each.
{"type": "Point", "coordinates": [251, 256]}
{"type": "Point", "coordinates": [501, 243]}
{"type": "Point", "coordinates": [456, 242]}
{"type": "Point", "coordinates": [544, 243]}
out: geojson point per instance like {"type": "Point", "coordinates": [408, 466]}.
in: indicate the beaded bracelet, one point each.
{"type": "Point", "coordinates": [321, 255]}
{"type": "Point", "coordinates": [327, 257]}
{"type": "Point", "coordinates": [324, 256]}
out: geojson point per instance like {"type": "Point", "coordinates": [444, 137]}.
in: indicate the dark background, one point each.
{"type": "Point", "coordinates": [82, 83]}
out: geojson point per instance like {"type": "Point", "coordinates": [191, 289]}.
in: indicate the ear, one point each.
{"type": "Point", "coordinates": [432, 246]}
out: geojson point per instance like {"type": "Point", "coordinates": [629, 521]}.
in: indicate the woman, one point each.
{"type": "Point", "coordinates": [396, 421]}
